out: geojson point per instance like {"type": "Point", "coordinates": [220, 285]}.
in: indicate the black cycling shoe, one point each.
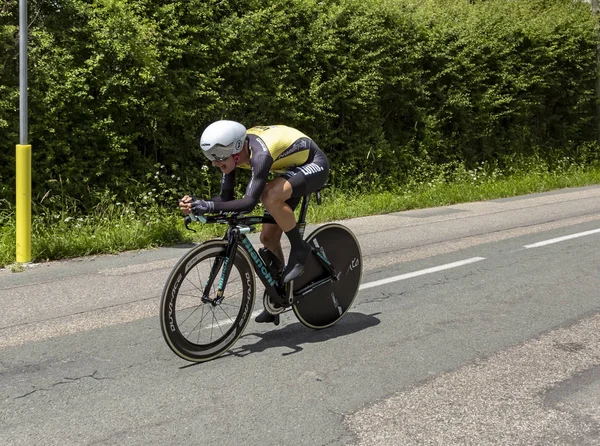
{"type": "Point", "coordinates": [266, 317]}
{"type": "Point", "coordinates": [292, 271]}
{"type": "Point", "coordinates": [295, 266]}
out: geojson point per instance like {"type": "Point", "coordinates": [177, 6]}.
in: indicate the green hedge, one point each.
{"type": "Point", "coordinates": [386, 87]}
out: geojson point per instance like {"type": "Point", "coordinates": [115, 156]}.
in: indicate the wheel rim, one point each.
{"type": "Point", "coordinates": [198, 330]}
{"type": "Point", "coordinates": [327, 304]}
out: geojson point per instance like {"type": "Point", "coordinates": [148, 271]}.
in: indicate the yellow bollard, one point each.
{"type": "Point", "coordinates": [23, 203]}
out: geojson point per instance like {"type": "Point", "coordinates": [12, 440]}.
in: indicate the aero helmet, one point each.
{"type": "Point", "coordinates": [222, 139]}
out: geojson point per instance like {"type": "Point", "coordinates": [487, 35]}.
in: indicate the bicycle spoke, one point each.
{"type": "Point", "coordinates": [193, 284]}
{"type": "Point", "coordinates": [189, 295]}
{"type": "Point", "coordinates": [192, 313]}
{"type": "Point", "coordinates": [194, 327]}
{"type": "Point", "coordinates": [212, 325]}
{"type": "Point", "coordinates": [199, 276]}
{"type": "Point", "coordinates": [215, 321]}
{"type": "Point", "coordinates": [227, 300]}
{"type": "Point", "coordinates": [198, 324]}
{"type": "Point", "coordinates": [200, 330]}
{"type": "Point", "coordinates": [226, 314]}
{"type": "Point", "coordinates": [218, 324]}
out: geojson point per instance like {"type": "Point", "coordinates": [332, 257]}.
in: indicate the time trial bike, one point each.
{"type": "Point", "coordinates": [209, 296]}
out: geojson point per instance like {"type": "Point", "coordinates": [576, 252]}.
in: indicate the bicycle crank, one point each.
{"type": "Point", "coordinates": [272, 307]}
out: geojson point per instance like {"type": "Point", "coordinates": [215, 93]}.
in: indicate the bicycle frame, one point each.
{"type": "Point", "coordinates": [236, 234]}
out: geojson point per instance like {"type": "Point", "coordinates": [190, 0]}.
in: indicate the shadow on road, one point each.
{"type": "Point", "coordinates": [295, 335]}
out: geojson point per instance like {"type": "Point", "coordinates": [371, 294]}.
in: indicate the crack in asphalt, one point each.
{"type": "Point", "coordinates": [383, 297]}
{"type": "Point", "coordinates": [69, 380]}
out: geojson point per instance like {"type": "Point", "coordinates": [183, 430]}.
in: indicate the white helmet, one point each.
{"type": "Point", "coordinates": [222, 139]}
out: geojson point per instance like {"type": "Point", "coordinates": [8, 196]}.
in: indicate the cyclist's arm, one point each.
{"type": "Point", "coordinates": [260, 164]}
{"type": "Point", "coordinates": [227, 188]}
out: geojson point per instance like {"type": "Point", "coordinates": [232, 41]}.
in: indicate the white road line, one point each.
{"type": "Point", "coordinates": [364, 286]}
{"type": "Point", "coordinates": [422, 272]}
{"type": "Point", "coordinates": [562, 239]}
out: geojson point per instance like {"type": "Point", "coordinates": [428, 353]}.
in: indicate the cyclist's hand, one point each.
{"type": "Point", "coordinates": [201, 207]}
{"type": "Point", "coordinates": [185, 204]}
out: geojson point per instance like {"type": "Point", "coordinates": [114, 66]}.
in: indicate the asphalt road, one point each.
{"type": "Point", "coordinates": [475, 324]}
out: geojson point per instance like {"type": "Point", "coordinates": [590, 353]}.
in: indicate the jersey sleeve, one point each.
{"type": "Point", "coordinates": [227, 188]}
{"type": "Point", "coordinates": [260, 165]}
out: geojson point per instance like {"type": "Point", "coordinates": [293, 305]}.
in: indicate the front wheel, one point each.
{"type": "Point", "coordinates": [327, 304]}
{"type": "Point", "coordinates": [195, 328]}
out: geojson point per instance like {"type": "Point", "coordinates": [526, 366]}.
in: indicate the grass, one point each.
{"type": "Point", "coordinates": [119, 227]}
{"type": "Point", "coordinates": [442, 193]}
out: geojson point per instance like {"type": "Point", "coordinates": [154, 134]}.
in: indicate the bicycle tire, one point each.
{"type": "Point", "coordinates": [183, 314]}
{"type": "Point", "coordinates": [327, 304]}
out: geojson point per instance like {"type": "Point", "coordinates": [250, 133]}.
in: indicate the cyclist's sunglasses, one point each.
{"type": "Point", "coordinates": [218, 152]}
{"type": "Point", "coordinates": [219, 158]}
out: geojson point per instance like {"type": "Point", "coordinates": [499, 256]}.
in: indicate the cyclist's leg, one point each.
{"type": "Point", "coordinates": [270, 235]}
{"type": "Point", "coordinates": [295, 183]}
{"type": "Point", "coordinates": [274, 198]}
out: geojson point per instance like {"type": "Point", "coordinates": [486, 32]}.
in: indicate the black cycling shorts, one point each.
{"type": "Point", "coordinates": [308, 178]}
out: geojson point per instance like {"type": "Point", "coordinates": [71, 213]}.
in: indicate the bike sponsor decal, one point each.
{"type": "Point", "coordinates": [250, 184]}
{"type": "Point", "coordinates": [354, 264]}
{"type": "Point", "coordinates": [171, 320]}
{"type": "Point", "coordinates": [259, 262]}
{"type": "Point", "coordinates": [193, 261]}
{"type": "Point", "coordinates": [248, 300]}
{"type": "Point", "coordinates": [336, 304]}
{"type": "Point", "coordinates": [171, 307]}
{"type": "Point", "coordinates": [320, 251]}
{"type": "Point", "coordinates": [262, 144]}
{"type": "Point", "coordinates": [310, 169]}
{"type": "Point", "coordinates": [301, 228]}
{"type": "Point", "coordinates": [297, 147]}
{"type": "Point", "coordinates": [222, 281]}
{"type": "Point", "coordinates": [227, 213]}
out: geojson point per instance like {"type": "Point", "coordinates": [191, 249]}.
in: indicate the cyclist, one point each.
{"type": "Point", "coordinates": [303, 169]}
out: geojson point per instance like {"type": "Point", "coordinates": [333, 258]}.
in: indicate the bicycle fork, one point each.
{"type": "Point", "coordinates": [227, 264]}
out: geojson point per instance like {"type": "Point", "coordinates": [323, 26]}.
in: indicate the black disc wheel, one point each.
{"type": "Point", "coordinates": [195, 325]}
{"type": "Point", "coordinates": [326, 305]}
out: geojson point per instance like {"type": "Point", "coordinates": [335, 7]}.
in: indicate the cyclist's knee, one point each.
{"type": "Point", "coordinates": [269, 197]}
{"type": "Point", "coordinates": [275, 192]}
{"type": "Point", "coordinates": [270, 236]}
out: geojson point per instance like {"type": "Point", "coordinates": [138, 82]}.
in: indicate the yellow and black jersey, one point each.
{"type": "Point", "coordinates": [275, 148]}
{"type": "Point", "coordinates": [287, 146]}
